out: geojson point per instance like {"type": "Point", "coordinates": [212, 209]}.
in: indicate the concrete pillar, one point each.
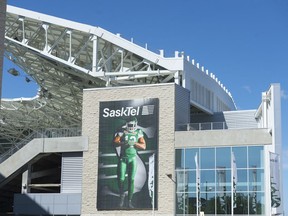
{"type": "Point", "coordinates": [26, 180]}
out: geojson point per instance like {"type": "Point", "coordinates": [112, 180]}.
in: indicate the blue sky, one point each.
{"type": "Point", "coordinates": [243, 42]}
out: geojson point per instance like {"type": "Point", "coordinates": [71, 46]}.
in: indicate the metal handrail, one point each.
{"type": "Point", "coordinates": [202, 126]}
{"type": "Point", "coordinates": [42, 133]}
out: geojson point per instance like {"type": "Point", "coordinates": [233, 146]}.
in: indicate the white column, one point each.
{"type": "Point", "coordinates": [95, 54]}
{"type": "Point", "coordinates": [46, 26]}
{"type": "Point", "coordinates": [26, 180]}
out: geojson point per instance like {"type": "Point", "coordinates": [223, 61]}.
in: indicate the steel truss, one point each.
{"type": "Point", "coordinates": [63, 59]}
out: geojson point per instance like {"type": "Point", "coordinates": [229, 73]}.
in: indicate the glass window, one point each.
{"type": "Point", "coordinates": [208, 201]}
{"type": "Point", "coordinates": [241, 204]}
{"type": "Point", "coordinates": [215, 180]}
{"type": "Point", "coordinates": [181, 203]}
{"type": "Point", "coordinates": [207, 158]}
{"type": "Point", "coordinates": [223, 180]}
{"type": "Point", "coordinates": [223, 203]}
{"type": "Point", "coordinates": [192, 206]}
{"type": "Point", "coordinates": [207, 180]}
{"type": "Point", "coordinates": [242, 180]}
{"type": "Point", "coordinates": [191, 181]}
{"type": "Point", "coordinates": [179, 158]}
{"type": "Point", "coordinates": [256, 203]}
{"type": "Point", "coordinates": [223, 157]}
{"type": "Point", "coordinates": [240, 154]}
{"type": "Point", "coordinates": [190, 158]}
{"type": "Point", "coordinates": [255, 155]}
{"type": "Point", "coordinates": [256, 180]}
{"type": "Point", "coordinates": [181, 181]}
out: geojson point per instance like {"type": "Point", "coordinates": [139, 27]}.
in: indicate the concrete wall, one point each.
{"type": "Point", "coordinates": [2, 31]}
{"type": "Point", "coordinates": [235, 137]}
{"type": "Point", "coordinates": [90, 126]}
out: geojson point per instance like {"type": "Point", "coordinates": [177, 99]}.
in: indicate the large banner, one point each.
{"type": "Point", "coordinates": [234, 179]}
{"type": "Point", "coordinates": [275, 181]}
{"type": "Point", "coordinates": [198, 182]}
{"type": "Point", "coordinates": [128, 137]}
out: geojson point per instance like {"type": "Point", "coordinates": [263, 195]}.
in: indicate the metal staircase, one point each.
{"type": "Point", "coordinates": [30, 147]}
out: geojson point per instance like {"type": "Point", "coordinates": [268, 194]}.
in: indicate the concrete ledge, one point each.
{"type": "Point", "coordinates": [65, 144]}
{"type": "Point", "coordinates": [233, 137]}
{"type": "Point", "coordinates": [41, 145]}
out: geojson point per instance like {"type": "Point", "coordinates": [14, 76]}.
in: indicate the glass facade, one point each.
{"type": "Point", "coordinates": [230, 179]}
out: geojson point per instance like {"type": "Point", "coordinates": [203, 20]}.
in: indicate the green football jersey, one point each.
{"type": "Point", "coordinates": [130, 138]}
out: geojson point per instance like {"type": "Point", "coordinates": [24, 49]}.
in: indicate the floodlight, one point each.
{"type": "Point", "coordinates": [13, 71]}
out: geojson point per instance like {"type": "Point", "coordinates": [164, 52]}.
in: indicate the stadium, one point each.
{"type": "Point", "coordinates": [116, 129]}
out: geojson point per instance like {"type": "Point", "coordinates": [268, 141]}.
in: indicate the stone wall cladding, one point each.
{"type": "Point", "coordinates": [90, 128]}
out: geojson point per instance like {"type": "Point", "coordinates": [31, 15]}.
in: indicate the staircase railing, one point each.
{"type": "Point", "coordinates": [202, 126]}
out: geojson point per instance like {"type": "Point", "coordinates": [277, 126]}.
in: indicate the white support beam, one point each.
{"type": "Point", "coordinates": [95, 54]}
{"type": "Point", "coordinates": [21, 19]}
{"type": "Point", "coordinates": [70, 45]}
{"type": "Point", "coordinates": [177, 78]}
{"type": "Point", "coordinates": [46, 26]}
{"type": "Point", "coordinates": [131, 73]}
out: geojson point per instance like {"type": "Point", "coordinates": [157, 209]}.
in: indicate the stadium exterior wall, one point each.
{"type": "Point", "coordinates": [166, 188]}
{"type": "Point", "coordinates": [208, 138]}
{"type": "Point", "coordinates": [257, 139]}
{"type": "Point", "coordinates": [219, 97]}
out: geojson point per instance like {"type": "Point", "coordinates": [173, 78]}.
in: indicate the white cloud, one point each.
{"type": "Point", "coordinates": [247, 88]}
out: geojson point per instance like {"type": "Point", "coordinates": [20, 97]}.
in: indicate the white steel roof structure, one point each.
{"type": "Point", "coordinates": [65, 57]}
